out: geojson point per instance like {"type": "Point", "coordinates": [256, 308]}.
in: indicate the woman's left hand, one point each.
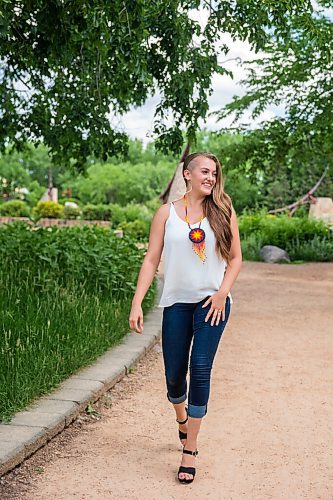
{"type": "Point", "coordinates": [217, 308]}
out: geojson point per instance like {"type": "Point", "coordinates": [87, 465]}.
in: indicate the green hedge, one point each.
{"type": "Point", "coordinates": [96, 212]}
{"type": "Point", "coordinates": [133, 219]}
{"type": "Point", "coordinates": [14, 208]}
{"type": "Point", "coordinates": [71, 212]}
{"type": "Point", "coordinates": [303, 238]}
{"type": "Point", "coordinates": [66, 295]}
{"type": "Point", "coordinates": [49, 209]}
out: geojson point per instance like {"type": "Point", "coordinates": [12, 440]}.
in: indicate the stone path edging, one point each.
{"type": "Point", "coordinates": [31, 429]}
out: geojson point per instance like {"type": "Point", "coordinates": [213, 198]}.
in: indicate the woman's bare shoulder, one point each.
{"type": "Point", "coordinates": [162, 213]}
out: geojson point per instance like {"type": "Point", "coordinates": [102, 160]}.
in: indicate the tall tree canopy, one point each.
{"type": "Point", "coordinates": [298, 74]}
{"type": "Point", "coordinates": [67, 65]}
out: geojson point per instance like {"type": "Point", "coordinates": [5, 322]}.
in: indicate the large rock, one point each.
{"type": "Point", "coordinates": [270, 253]}
{"type": "Point", "coordinates": [322, 209]}
{"type": "Point", "coordinates": [71, 204]}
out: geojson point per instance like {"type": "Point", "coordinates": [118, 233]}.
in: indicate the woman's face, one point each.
{"type": "Point", "coordinates": [202, 175]}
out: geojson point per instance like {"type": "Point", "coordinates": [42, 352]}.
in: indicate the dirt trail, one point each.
{"type": "Point", "coordinates": [268, 433]}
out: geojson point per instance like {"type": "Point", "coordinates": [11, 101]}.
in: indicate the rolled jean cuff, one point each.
{"type": "Point", "coordinates": [176, 401]}
{"type": "Point", "coordinates": [197, 411]}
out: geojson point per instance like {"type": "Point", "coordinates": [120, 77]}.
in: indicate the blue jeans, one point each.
{"type": "Point", "coordinates": [182, 322]}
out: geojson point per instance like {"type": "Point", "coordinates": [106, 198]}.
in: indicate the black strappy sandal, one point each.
{"type": "Point", "coordinates": [182, 435]}
{"type": "Point", "coordinates": [187, 470]}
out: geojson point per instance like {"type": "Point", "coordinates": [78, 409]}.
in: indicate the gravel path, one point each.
{"type": "Point", "coordinates": [268, 433]}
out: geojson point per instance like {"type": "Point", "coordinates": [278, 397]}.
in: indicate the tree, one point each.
{"type": "Point", "coordinates": [67, 65]}
{"type": "Point", "coordinates": [12, 176]}
{"type": "Point", "coordinates": [292, 150]}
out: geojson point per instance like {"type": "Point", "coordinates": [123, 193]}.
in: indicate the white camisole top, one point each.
{"type": "Point", "coordinates": [186, 277]}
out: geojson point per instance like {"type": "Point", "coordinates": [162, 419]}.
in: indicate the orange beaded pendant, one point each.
{"type": "Point", "coordinates": [196, 235]}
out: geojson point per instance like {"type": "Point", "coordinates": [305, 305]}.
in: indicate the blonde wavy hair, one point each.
{"type": "Point", "coordinates": [217, 206]}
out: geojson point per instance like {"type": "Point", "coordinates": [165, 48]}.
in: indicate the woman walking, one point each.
{"type": "Point", "coordinates": [202, 258]}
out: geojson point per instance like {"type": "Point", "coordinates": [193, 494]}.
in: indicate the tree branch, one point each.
{"type": "Point", "coordinates": [307, 198]}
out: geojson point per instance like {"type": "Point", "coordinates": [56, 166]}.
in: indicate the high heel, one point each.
{"type": "Point", "coordinates": [187, 470]}
{"type": "Point", "coordinates": [182, 435]}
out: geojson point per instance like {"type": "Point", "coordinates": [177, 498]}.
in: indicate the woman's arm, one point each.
{"type": "Point", "coordinates": [218, 299]}
{"type": "Point", "coordinates": [149, 266]}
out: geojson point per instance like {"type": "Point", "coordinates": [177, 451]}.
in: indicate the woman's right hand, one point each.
{"type": "Point", "coordinates": [136, 318]}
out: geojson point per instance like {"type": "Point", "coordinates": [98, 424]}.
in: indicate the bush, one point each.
{"type": "Point", "coordinates": [303, 238]}
{"type": "Point", "coordinates": [71, 212]}
{"type": "Point", "coordinates": [316, 250]}
{"type": "Point", "coordinates": [279, 230]}
{"type": "Point", "coordinates": [129, 213]}
{"type": "Point", "coordinates": [14, 208]}
{"type": "Point", "coordinates": [49, 209]}
{"type": "Point", "coordinates": [138, 229]}
{"type": "Point", "coordinates": [251, 246]}
{"type": "Point", "coordinates": [36, 191]}
{"type": "Point", "coordinates": [250, 223]}
{"type": "Point", "coordinates": [96, 212]}
{"type": "Point", "coordinates": [119, 216]}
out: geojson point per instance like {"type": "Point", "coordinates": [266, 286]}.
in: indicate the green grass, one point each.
{"type": "Point", "coordinates": [56, 318]}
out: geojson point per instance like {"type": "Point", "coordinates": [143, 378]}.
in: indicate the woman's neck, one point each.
{"type": "Point", "coordinates": [195, 200]}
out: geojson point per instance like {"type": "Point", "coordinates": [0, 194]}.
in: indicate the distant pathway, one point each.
{"type": "Point", "coordinates": [268, 433]}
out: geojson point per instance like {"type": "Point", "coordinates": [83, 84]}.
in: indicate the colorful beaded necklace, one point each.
{"type": "Point", "coordinates": [197, 235]}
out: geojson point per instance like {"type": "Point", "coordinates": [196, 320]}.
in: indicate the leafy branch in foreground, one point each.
{"type": "Point", "coordinates": [69, 70]}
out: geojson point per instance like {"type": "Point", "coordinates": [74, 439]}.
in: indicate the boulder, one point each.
{"type": "Point", "coordinates": [71, 204]}
{"type": "Point", "coordinates": [322, 209]}
{"type": "Point", "coordinates": [271, 253]}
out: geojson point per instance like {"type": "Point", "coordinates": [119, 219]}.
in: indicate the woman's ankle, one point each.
{"type": "Point", "coordinates": [191, 445]}
{"type": "Point", "coordinates": [181, 413]}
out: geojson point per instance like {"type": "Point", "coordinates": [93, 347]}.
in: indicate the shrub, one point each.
{"type": "Point", "coordinates": [250, 223]}
{"type": "Point", "coordinates": [71, 212]}
{"type": "Point", "coordinates": [14, 208]}
{"type": "Point", "coordinates": [316, 250]}
{"type": "Point", "coordinates": [137, 229]}
{"type": "Point", "coordinates": [49, 209]}
{"type": "Point", "coordinates": [251, 246]}
{"type": "Point", "coordinates": [118, 214]}
{"type": "Point", "coordinates": [303, 238]}
{"type": "Point", "coordinates": [96, 212]}
{"type": "Point", "coordinates": [280, 229]}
